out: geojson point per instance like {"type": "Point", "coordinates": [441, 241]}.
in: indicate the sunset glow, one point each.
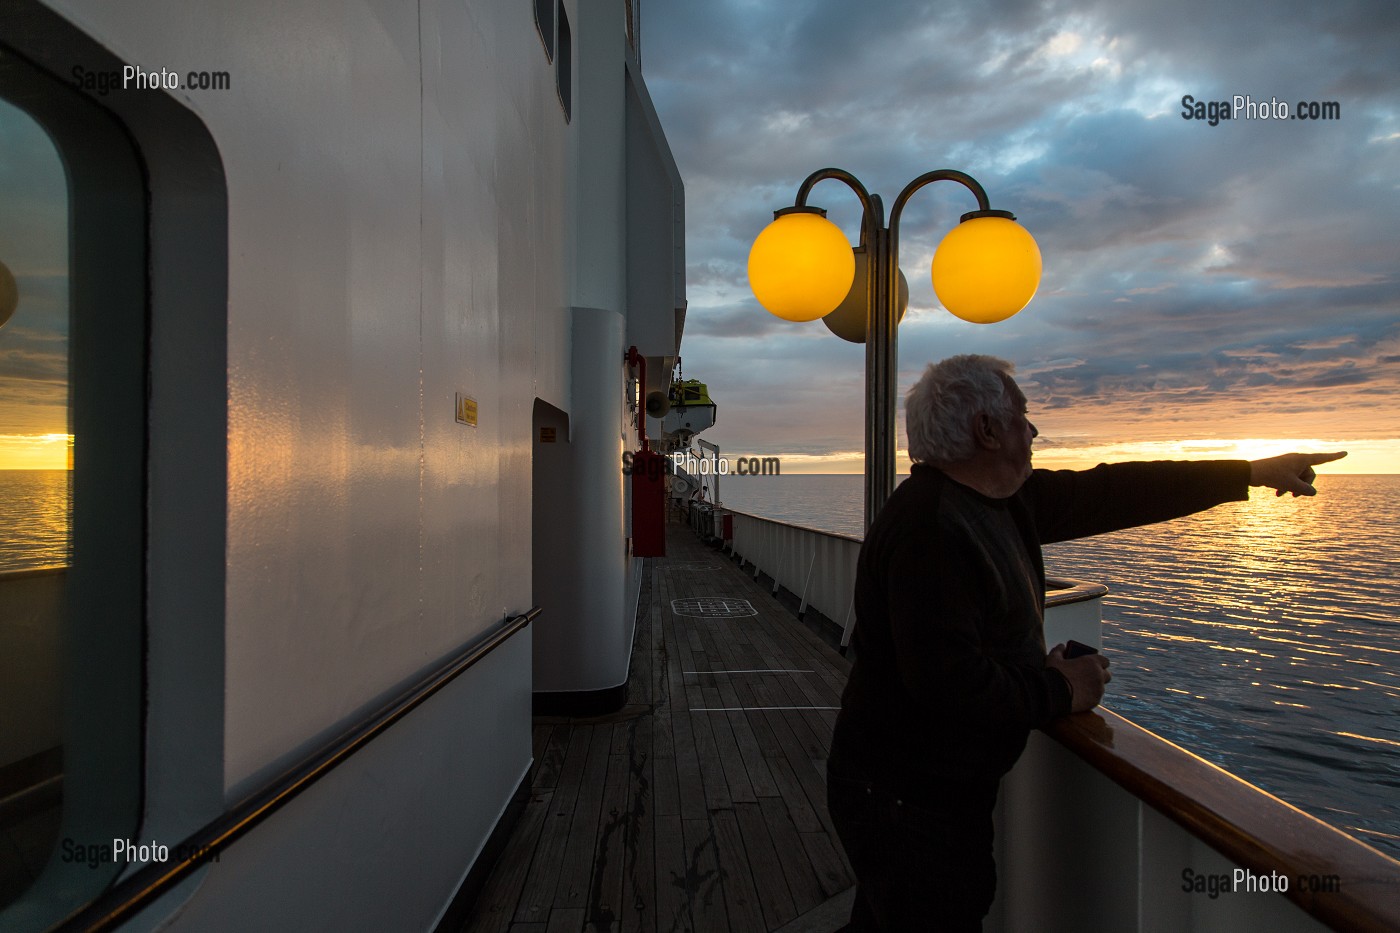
{"type": "Point", "coordinates": [36, 451]}
{"type": "Point", "coordinates": [1363, 456]}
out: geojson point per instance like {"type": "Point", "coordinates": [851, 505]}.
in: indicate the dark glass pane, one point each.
{"type": "Point", "coordinates": [36, 460]}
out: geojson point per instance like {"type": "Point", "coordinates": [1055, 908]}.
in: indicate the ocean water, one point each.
{"type": "Point", "coordinates": [1263, 636]}
{"type": "Point", "coordinates": [33, 518]}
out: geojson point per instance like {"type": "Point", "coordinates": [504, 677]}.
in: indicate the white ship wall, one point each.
{"type": "Point", "coordinates": [410, 219]}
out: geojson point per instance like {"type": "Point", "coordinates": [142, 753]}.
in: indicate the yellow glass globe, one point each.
{"type": "Point", "coordinates": [801, 266]}
{"type": "Point", "coordinates": [986, 269]}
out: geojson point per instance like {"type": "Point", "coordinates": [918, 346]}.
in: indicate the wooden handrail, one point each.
{"type": "Point", "coordinates": [778, 521]}
{"type": "Point", "coordinates": [1247, 825]}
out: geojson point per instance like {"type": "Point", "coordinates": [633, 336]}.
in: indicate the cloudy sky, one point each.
{"type": "Point", "coordinates": [1208, 290]}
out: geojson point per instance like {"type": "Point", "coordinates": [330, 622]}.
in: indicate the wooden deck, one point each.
{"type": "Point", "coordinates": [701, 805]}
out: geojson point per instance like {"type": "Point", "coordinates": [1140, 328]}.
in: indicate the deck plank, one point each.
{"type": "Point", "coordinates": [672, 891]}
{"type": "Point", "coordinates": [769, 880]}
{"type": "Point", "coordinates": [736, 873]}
{"type": "Point", "coordinates": [537, 896]}
{"type": "Point", "coordinates": [639, 869]}
{"type": "Point", "coordinates": [605, 891]}
{"type": "Point", "coordinates": [575, 870]}
{"type": "Point", "coordinates": [833, 871]}
{"type": "Point", "coordinates": [550, 762]}
{"type": "Point", "coordinates": [801, 809]}
{"type": "Point", "coordinates": [565, 921]}
{"type": "Point", "coordinates": [797, 868]}
{"type": "Point", "coordinates": [702, 880]}
{"type": "Point", "coordinates": [494, 911]}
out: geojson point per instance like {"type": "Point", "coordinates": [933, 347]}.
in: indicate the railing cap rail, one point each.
{"type": "Point", "coordinates": [1246, 824]}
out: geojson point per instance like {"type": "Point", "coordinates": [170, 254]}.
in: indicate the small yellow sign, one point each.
{"type": "Point", "coordinates": [546, 435]}
{"type": "Point", "coordinates": [466, 410]}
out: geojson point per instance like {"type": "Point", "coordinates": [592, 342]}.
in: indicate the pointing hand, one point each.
{"type": "Point", "coordinates": [1292, 473]}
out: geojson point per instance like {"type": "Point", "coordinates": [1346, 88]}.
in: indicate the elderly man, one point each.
{"type": "Point", "coordinates": [950, 671]}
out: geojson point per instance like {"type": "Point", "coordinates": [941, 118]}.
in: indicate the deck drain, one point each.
{"type": "Point", "coordinates": [713, 607]}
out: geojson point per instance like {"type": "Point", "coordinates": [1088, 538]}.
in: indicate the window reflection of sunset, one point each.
{"type": "Point", "coordinates": [36, 451]}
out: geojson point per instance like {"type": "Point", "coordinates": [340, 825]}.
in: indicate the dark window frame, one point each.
{"type": "Point", "coordinates": [175, 383]}
{"type": "Point", "coordinates": [544, 25]}
{"type": "Point", "coordinates": [103, 620]}
{"type": "Point", "coordinates": [564, 64]}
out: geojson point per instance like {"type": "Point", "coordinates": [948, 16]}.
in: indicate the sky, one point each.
{"type": "Point", "coordinates": [1208, 291]}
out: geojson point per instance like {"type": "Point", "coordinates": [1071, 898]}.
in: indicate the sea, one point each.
{"type": "Point", "coordinates": [1263, 636]}
{"type": "Point", "coordinates": [34, 518]}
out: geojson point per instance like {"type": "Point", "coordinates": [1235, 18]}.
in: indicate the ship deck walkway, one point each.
{"type": "Point", "coordinates": [701, 805]}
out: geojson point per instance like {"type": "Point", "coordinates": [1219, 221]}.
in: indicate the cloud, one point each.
{"type": "Point", "coordinates": [1198, 279]}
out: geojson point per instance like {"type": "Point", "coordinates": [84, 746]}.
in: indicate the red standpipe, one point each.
{"type": "Point", "coordinates": [648, 482]}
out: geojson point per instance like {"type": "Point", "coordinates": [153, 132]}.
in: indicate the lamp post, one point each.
{"type": "Point", "coordinates": [9, 294]}
{"type": "Point", "coordinates": [801, 267]}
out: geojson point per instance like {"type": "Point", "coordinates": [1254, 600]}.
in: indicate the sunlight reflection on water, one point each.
{"type": "Point", "coordinates": [33, 518]}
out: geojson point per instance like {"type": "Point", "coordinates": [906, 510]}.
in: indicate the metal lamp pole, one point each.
{"type": "Point", "coordinates": [882, 300]}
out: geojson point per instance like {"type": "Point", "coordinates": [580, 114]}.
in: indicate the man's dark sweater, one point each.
{"type": "Point", "coordinates": [950, 675]}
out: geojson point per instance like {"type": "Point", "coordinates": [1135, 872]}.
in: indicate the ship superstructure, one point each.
{"type": "Point", "coordinates": [349, 302]}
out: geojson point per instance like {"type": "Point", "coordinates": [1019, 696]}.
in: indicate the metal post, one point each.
{"type": "Point", "coordinates": [714, 476]}
{"type": "Point", "coordinates": [882, 313]}
{"type": "Point", "coordinates": [881, 352]}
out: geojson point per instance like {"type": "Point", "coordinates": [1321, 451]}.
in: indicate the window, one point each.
{"type": "Point", "coordinates": [564, 64]}
{"type": "Point", "coordinates": [72, 492]}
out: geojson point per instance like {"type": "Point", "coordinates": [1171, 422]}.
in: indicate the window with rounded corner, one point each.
{"type": "Point", "coordinates": [72, 463]}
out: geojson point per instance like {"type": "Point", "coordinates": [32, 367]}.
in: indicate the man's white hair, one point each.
{"type": "Point", "coordinates": [941, 405]}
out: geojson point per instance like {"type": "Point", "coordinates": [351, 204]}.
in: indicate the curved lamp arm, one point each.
{"type": "Point", "coordinates": [872, 208]}
{"type": "Point", "coordinates": [943, 174]}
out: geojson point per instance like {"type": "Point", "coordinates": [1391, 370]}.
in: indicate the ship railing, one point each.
{"type": "Point", "coordinates": [1104, 825]}
{"type": "Point", "coordinates": [818, 567]}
